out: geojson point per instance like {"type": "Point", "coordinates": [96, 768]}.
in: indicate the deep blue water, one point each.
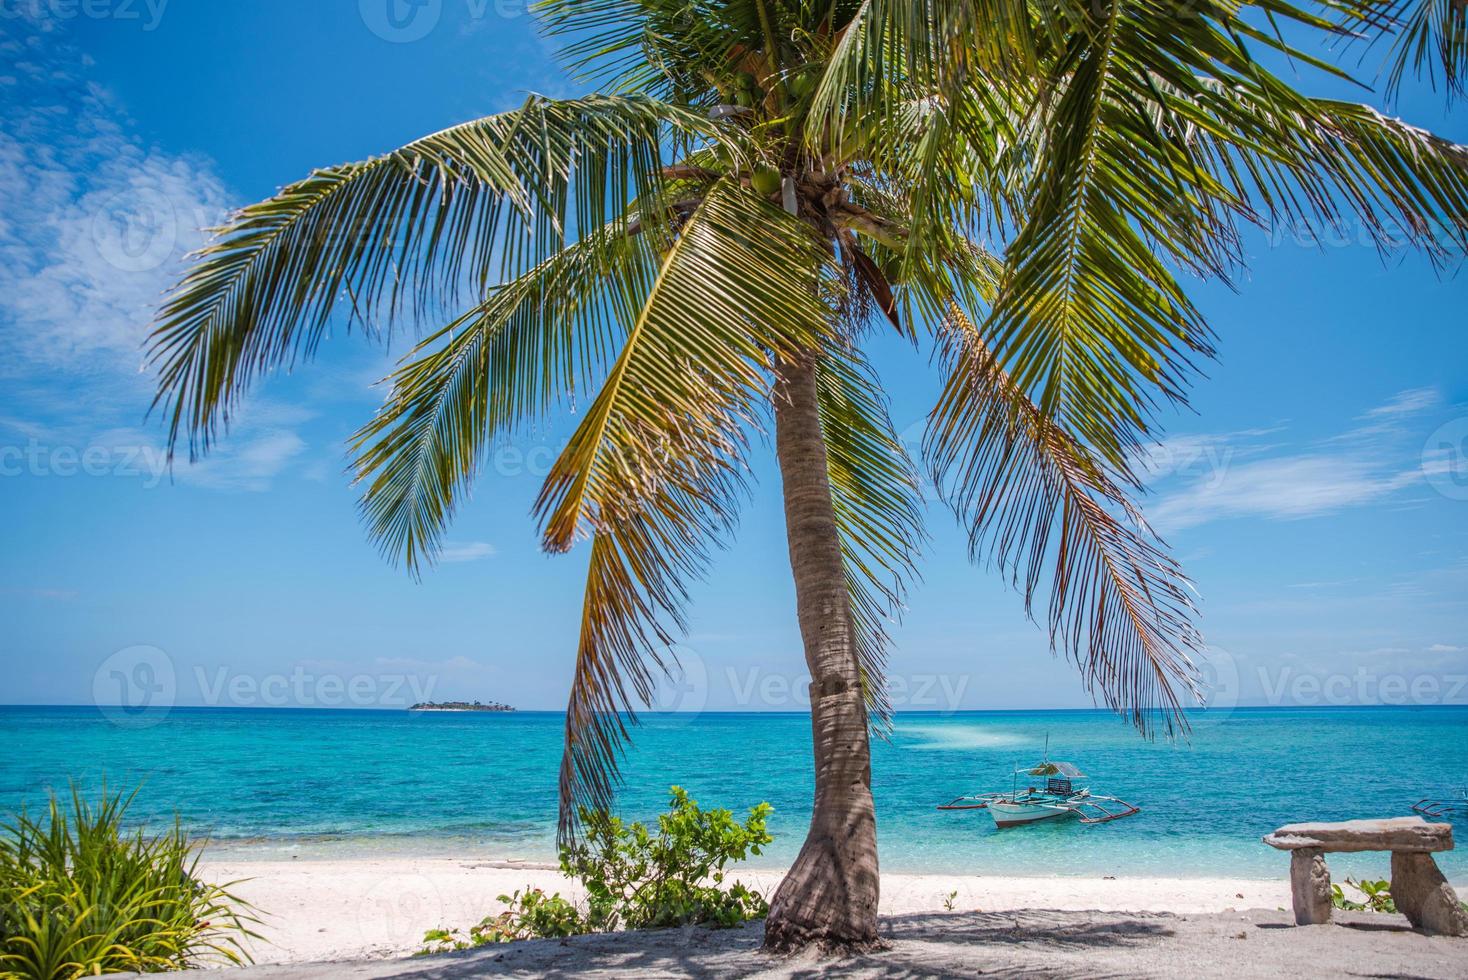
{"type": "Point", "coordinates": [319, 782]}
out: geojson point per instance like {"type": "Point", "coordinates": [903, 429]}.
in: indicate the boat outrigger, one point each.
{"type": "Point", "coordinates": [1059, 797]}
{"type": "Point", "coordinates": [1455, 807]}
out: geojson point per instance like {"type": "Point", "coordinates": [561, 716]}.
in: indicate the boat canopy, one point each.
{"type": "Point", "coordinates": [1066, 770]}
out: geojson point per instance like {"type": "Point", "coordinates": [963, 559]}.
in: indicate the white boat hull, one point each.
{"type": "Point", "coordinates": [1015, 814]}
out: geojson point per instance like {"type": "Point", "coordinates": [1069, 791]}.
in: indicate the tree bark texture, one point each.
{"type": "Point", "coordinates": [829, 898]}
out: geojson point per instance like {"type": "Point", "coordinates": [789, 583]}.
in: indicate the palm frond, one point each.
{"type": "Point", "coordinates": [665, 47]}
{"type": "Point", "coordinates": [874, 491]}
{"type": "Point", "coordinates": [471, 205]}
{"type": "Point", "coordinates": [1089, 318]}
{"type": "Point", "coordinates": [536, 340]}
{"type": "Point", "coordinates": [1425, 37]}
{"type": "Point", "coordinates": [956, 161]}
{"type": "Point", "coordinates": [951, 267]}
{"type": "Point", "coordinates": [892, 51]}
{"type": "Point", "coordinates": [654, 472]}
{"type": "Point", "coordinates": [1034, 499]}
{"type": "Point", "coordinates": [1322, 164]}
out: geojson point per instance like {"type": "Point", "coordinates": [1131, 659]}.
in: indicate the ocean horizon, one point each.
{"type": "Point", "coordinates": [311, 783]}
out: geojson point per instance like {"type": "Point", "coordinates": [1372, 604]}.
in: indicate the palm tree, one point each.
{"type": "Point", "coordinates": [763, 185]}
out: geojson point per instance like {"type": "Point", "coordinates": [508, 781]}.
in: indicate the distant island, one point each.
{"type": "Point", "coordinates": [460, 706]}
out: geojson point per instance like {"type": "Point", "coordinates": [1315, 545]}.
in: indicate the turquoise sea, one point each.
{"type": "Point", "coordinates": [317, 783]}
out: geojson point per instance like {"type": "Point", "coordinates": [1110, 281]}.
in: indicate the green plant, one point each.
{"type": "Point", "coordinates": [1377, 894]}
{"type": "Point", "coordinates": [638, 877]}
{"type": "Point", "coordinates": [950, 900]}
{"type": "Point", "coordinates": [80, 896]}
{"type": "Point", "coordinates": [530, 914]}
{"type": "Point", "coordinates": [635, 877]}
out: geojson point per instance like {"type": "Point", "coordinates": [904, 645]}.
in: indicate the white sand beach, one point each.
{"type": "Point", "coordinates": [332, 909]}
{"type": "Point", "coordinates": [332, 918]}
{"type": "Point", "coordinates": [1032, 944]}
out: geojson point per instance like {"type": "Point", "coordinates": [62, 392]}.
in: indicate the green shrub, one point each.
{"type": "Point", "coordinates": [79, 896]}
{"type": "Point", "coordinates": [636, 877]}
{"type": "Point", "coordinates": [530, 915]}
{"type": "Point", "coordinates": [640, 878]}
{"type": "Point", "coordinates": [1377, 894]}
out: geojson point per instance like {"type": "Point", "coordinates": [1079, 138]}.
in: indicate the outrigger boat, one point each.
{"type": "Point", "coordinates": [1457, 807]}
{"type": "Point", "coordinates": [1060, 797]}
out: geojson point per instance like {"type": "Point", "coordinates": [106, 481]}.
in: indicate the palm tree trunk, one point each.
{"type": "Point", "coordinates": [829, 898]}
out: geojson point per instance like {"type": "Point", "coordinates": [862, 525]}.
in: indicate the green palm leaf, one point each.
{"type": "Point", "coordinates": [419, 223]}
{"type": "Point", "coordinates": [1320, 164]}
{"type": "Point", "coordinates": [1089, 318]}
{"type": "Point", "coordinates": [1164, 133]}
{"type": "Point", "coordinates": [888, 52]}
{"type": "Point", "coordinates": [534, 341]}
{"type": "Point", "coordinates": [874, 491]}
{"type": "Point", "coordinates": [654, 472]}
{"type": "Point", "coordinates": [1426, 36]}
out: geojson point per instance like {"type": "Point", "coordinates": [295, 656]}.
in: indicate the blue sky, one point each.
{"type": "Point", "coordinates": [1317, 492]}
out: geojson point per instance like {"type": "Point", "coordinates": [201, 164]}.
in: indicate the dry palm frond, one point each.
{"type": "Point", "coordinates": [1035, 500]}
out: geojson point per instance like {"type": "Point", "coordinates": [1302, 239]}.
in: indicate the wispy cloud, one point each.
{"type": "Point", "coordinates": [1365, 464]}
{"type": "Point", "coordinates": [243, 464]}
{"type": "Point", "coordinates": [249, 461]}
{"type": "Point", "coordinates": [1408, 402]}
{"type": "Point", "coordinates": [1301, 486]}
{"type": "Point", "coordinates": [95, 225]}
{"type": "Point", "coordinates": [466, 551]}
{"type": "Point", "coordinates": [1200, 456]}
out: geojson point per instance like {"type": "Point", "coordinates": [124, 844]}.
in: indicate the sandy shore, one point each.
{"type": "Point", "coordinates": [378, 908]}
{"type": "Point", "coordinates": [1029, 944]}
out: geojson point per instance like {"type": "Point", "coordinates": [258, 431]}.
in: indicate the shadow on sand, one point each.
{"type": "Point", "coordinates": [922, 945]}
{"type": "Point", "coordinates": [1030, 944]}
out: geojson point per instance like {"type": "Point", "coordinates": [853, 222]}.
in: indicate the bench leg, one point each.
{"type": "Point", "coordinates": [1310, 886]}
{"type": "Point", "coordinates": [1424, 896]}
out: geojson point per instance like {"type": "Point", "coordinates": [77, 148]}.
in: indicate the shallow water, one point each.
{"type": "Point", "coordinates": [315, 783]}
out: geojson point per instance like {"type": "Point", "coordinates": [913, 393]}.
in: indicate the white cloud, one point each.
{"type": "Point", "coordinates": [249, 461]}
{"type": "Point", "coordinates": [95, 226]}
{"type": "Point", "coordinates": [1200, 455]}
{"type": "Point", "coordinates": [1294, 487]}
{"type": "Point", "coordinates": [466, 551]}
{"type": "Point", "coordinates": [1363, 465]}
{"type": "Point", "coordinates": [1408, 402]}
{"type": "Point", "coordinates": [242, 464]}
{"type": "Point", "coordinates": [1443, 648]}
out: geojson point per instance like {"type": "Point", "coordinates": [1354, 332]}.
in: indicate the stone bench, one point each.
{"type": "Point", "coordinates": [1421, 892]}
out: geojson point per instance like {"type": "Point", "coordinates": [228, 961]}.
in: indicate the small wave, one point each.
{"type": "Point", "coordinates": [958, 738]}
